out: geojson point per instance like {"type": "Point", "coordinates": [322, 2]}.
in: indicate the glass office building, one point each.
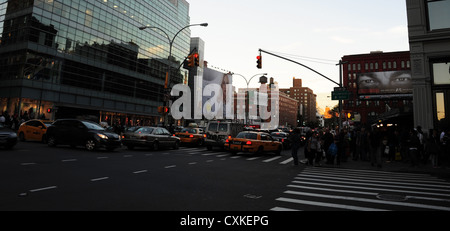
{"type": "Point", "coordinates": [88, 58]}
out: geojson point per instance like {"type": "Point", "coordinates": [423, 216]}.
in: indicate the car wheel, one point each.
{"type": "Point", "coordinates": [260, 150]}
{"type": "Point", "coordinates": [51, 141]}
{"type": "Point", "coordinates": [22, 136]}
{"type": "Point", "coordinates": [90, 145]}
{"type": "Point", "coordinates": [176, 145]}
{"type": "Point", "coordinates": [155, 145]}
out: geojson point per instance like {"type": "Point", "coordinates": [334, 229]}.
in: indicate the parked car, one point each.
{"type": "Point", "coordinates": [35, 130]}
{"type": "Point", "coordinates": [191, 136]}
{"type": "Point", "coordinates": [75, 132]}
{"type": "Point", "coordinates": [253, 142]}
{"type": "Point", "coordinates": [8, 138]}
{"type": "Point", "coordinates": [153, 137]}
{"type": "Point", "coordinates": [282, 137]}
{"type": "Point", "coordinates": [217, 132]}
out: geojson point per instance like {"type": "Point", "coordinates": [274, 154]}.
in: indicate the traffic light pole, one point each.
{"type": "Point", "coordinates": [340, 77]}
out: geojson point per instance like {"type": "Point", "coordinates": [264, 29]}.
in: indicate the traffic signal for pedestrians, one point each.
{"type": "Point", "coordinates": [190, 60]}
{"type": "Point", "coordinates": [259, 61]}
{"type": "Point", "coordinates": [196, 60]}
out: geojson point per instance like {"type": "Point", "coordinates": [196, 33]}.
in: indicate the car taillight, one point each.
{"type": "Point", "coordinates": [282, 140]}
{"type": "Point", "coordinates": [191, 136]}
{"type": "Point", "coordinates": [227, 141]}
{"type": "Point", "coordinates": [248, 143]}
{"type": "Point", "coordinates": [204, 135]}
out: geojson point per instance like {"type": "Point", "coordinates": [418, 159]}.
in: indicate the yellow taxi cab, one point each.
{"type": "Point", "coordinates": [191, 136]}
{"type": "Point", "coordinates": [34, 130]}
{"type": "Point", "coordinates": [253, 142]}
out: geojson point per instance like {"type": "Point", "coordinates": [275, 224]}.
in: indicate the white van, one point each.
{"type": "Point", "coordinates": [218, 132]}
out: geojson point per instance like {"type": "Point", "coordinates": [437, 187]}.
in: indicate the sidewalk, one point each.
{"type": "Point", "coordinates": [395, 166]}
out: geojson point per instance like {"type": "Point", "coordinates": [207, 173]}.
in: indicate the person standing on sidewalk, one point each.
{"type": "Point", "coordinates": [313, 144]}
{"type": "Point", "coordinates": [414, 144]}
{"type": "Point", "coordinates": [374, 144]}
{"type": "Point", "coordinates": [295, 141]}
{"type": "Point", "coordinates": [432, 147]}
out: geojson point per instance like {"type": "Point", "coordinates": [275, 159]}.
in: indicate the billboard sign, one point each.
{"type": "Point", "coordinates": [385, 83]}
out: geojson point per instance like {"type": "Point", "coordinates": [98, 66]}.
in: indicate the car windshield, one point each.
{"type": "Point", "coordinates": [144, 130]}
{"type": "Point", "coordinates": [189, 130]}
{"type": "Point", "coordinates": [93, 126]}
{"type": "Point", "coordinates": [247, 135]}
{"type": "Point", "coordinates": [223, 127]}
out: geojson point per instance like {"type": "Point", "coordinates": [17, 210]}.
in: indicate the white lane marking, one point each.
{"type": "Point", "coordinates": [98, 179]}
{"type": "Point", "coordinates": [192, 163]}
{"type": "Point", "coordinates": [102, 157]}
{"type": "Point", "coordinates": [170, 166]}
{"type": "Point", "coordinates": [42, 189]}
{"type": "Point", "coordinates": [141, 171]}
{"type": "Point", "coordinates": [69, 160]}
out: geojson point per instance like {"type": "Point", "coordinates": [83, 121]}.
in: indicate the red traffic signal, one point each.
{"type": "Point", "coordinates": [49, 110]}
{"type": "Point", "coordinates": [196, 60]}
{"type": "Point", "coordinates": [259, 61]}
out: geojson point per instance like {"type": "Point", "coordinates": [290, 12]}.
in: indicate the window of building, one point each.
{"type": "Point", "coordinates": [438, 16]}
{"type": "Point", "coordinates": [440, 105]}
{"type": "Point", "coordinates": [441, 73]}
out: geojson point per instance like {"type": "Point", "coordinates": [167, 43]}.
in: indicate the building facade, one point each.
{"type": "Point", "coordinates": [429, 39]}
{"type": "Point", "coordinates": [89, 58]}
{"type": "Point", "coordinates": [307, 101]}
{"type": "Point", "coordinates": [380, 87]}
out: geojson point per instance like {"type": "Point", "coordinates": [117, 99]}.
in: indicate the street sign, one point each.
{"type": "Point", "coordinates": [340, 95]}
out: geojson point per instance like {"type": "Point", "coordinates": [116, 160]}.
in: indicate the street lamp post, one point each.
{"type": "Point", "coordinates": [247, 93]}
{"type": "Point", "coordinates": [167, 82]}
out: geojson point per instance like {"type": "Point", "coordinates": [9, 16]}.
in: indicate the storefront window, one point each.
{"type": "Point", "coordinates": [441, 73]}
{"type": "Point", "coordinates": [438, 16]}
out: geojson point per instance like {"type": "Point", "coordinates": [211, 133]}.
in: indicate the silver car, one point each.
{"type": "Point", "coordinates": [152, 137]}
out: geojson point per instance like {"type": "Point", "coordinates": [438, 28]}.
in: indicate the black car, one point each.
{"type": "Point", "coordinates": [152, 137]}
{"type": "Point", "coordinates": [8, 138]}
{"type": "Point", "coordinates": [75, 132]}
{"type": "Point", "coordinates": [282, 137]}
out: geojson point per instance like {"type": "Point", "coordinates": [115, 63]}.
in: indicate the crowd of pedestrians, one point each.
{"type": "Point", "coordinates": [375, 145]}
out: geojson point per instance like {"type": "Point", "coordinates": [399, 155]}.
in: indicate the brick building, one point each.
{"type": "Point", "coordinates": [380, 85]}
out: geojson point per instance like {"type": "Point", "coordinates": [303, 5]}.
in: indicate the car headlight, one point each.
{"type": "Point", "coordinates": [102, 136]}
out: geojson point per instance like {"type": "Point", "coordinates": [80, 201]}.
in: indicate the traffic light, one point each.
{"type": "Point", "coordinates": [163, 110]}
{"type": "Point", "coordinates": [259, 61]}
{"type": "Point", "coordinates": [191, 61]}
{"type": "Point", "coordinates": [196, 60]}
{"type": "Point", "coordinates": [49, 110]}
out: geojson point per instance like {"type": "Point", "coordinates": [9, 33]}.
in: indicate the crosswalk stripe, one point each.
{"type": "Point", "coordinates": [368, 190]}
{"type": "Point", "coordinates": [332, 205]}
{"type": "Point", "coordinates": [287, 161]}
{"type": "Point", "coordinates": [391, 177]}
{"type": "Point", "coordinates": [272, 159]}
{"type": "Point", "coordinates": [368, 200]}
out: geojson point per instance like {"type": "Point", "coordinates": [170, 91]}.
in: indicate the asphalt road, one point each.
{"type": "Point", "coordinates": [36, 177]}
